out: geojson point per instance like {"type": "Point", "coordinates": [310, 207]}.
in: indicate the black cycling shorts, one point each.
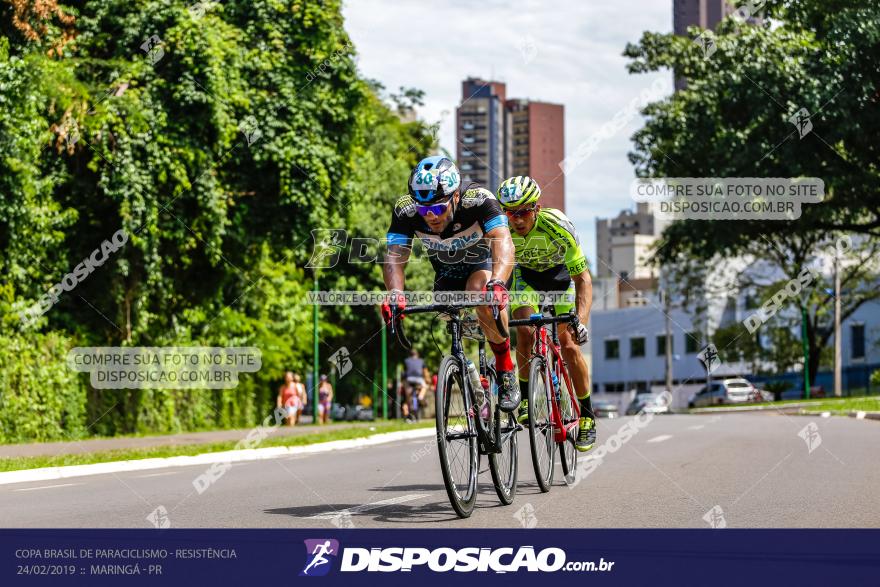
{"type": "Point", "coordinates": [456, 280]}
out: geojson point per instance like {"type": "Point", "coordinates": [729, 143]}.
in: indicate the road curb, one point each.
{"type": "Point", "coordinates": [749, 408]}
{"type": "Point", "coordinates": [229, 456]}
{"type": "Point", "coordinates": [860, 415]}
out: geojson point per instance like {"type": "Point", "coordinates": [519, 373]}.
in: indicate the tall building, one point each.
{"type": "Point", "coordinates": [498, 138]}
{"type": "Point", "coordinates": [702, 13]}
{"type": "Point", "coordinates": [481, 124]}
{"type": "Point", "coordinates": [623, 247]}
{"type": "Point", "coordinates": [622, 243]}
{"type": "Point", "coordinates": [538, 145]}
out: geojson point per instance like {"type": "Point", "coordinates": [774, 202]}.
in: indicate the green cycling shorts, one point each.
{"type": "Point", "coordinates": [521, 289]}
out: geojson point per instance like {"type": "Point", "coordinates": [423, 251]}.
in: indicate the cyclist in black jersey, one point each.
{"type": "Point", "coordinates": [469, 246]}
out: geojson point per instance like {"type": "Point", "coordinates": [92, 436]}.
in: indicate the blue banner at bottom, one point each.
{"type": "Point", "coordinates": [397, 557]}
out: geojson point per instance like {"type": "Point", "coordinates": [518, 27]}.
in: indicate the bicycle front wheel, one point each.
{"type": "Point", "coordinates": [504, 465]}
{"type": "Point", "coordinates": [456, 438]}
{"type": "Point", "coordinates": [568, 412]}
{"type": "Point", "coordinates": [541, 424]}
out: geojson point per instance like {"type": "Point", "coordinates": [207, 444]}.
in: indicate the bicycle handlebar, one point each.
{"type": "Point", "coordinates": [540, 320]}
{"type": "Point", "coordinates": [397, 330]}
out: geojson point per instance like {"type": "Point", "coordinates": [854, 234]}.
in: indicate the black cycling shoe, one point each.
{"type": "Point", "coordinates": [508, 391]}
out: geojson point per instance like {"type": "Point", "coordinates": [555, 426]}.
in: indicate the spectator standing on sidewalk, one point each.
{"type": "Point", "coordinates": [303, 396]}
{"type": "Point", "coordinates": [325, 399]}
{"type": "Point", "coordinates": [289, 399]}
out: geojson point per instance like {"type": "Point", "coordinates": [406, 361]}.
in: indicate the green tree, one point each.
{"type": "Point", "coordinates": [732, 120]}
{"type": "Point", "coordinates": [217, 139]}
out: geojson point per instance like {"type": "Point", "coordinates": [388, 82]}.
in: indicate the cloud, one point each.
{"type": "Point", "coordinates": [575, 59]}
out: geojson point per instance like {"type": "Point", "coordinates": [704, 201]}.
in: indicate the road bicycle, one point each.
{"type": "Point", "coordinates": [470, 422]}
{"type": "Point", "coordinates": [553, 408]}
{"type": "Point", "coordinates": [414, 404]}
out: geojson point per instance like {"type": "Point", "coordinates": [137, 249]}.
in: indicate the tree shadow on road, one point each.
{"type": "Point", "coordinates": [435, 511]}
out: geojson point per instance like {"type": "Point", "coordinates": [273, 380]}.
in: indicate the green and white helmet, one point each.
{"type": "Point", "coordinates": [517, 191]}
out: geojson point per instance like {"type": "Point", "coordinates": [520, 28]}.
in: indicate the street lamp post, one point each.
{"type": "Point", "coordinates": [806, 350]}
{"type": "Point", "coordinates": [315, 376]}
{"type": "Point", "coordinates": [838, 379]}
{"type": "Point", "coordinates": [384, 372]}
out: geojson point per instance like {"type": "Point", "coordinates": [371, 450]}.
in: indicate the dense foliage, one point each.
{"type": "Point", "coordinates": [733, 119]}
{"type": "Point", "coordinates": [217, 136]}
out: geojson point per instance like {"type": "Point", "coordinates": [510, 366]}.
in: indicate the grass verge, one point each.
{"type": "Point", "coordinates": [835, 405]}
{"type": "Point", "coordinates": [846, 405]}
{"type": "Point", "coordinates": [21, 463]}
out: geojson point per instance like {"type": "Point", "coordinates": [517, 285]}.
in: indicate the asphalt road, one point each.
{"type": "Point", "coordinates": [738, 470]}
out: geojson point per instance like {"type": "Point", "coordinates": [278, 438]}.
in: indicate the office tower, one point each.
{"type": "Point", "coordinates": [481, 122]}
{"type": "Point", "coordinates": [703, 13]}
{"type": "Point", "coordinates": [538, 145]}
{"type": "Point", "coordinates": [498, 138]}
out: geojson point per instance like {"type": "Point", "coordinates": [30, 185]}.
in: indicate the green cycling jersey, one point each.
{"type": "Point", "coordinates": [551, 242]}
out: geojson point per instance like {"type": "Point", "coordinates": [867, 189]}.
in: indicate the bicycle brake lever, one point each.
{"type": "Point", "coordinates": [496, 314]}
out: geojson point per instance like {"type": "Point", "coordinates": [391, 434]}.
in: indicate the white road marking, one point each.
{"type": "Point", "coordinates": [660, 438]}
{"type": "Point", "coordinates": [157, 474]}
{"type": "Point", "coordinates": [370, 506]}
{"type": "Point", "coordinates": [230, 456]}
{"type": "Point", "coordinates": [47, 487]}
{"type": "Point", "coordinates": [697, 427]}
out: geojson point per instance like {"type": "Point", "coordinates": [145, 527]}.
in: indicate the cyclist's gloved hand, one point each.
{"type": "Point", "coordinates": [395, 298]}
{"type": "Point", "coordinates": [580, 333]}
{"type": "Point", "coordinates": [498, 291]}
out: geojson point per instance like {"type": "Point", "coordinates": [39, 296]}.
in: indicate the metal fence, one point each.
{"type": "Point", "coordinates": [855, 380]}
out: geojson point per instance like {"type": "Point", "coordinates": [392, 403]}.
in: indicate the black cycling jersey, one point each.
{"type": "Point", "coordinates": [460, 249]}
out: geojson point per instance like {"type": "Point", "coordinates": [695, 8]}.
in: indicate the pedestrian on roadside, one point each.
{"type": "Point", "coordinates": [289, 399]}
{"type": "Point", "coordinates": [303, 396]}
{"type": "Point", "coordinates": [325, 398]}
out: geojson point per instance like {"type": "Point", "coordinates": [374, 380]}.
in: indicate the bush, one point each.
{"type": "Point", "coordinates": [777, 388]}
{"type": "Point", "coordinates": [40, 398]}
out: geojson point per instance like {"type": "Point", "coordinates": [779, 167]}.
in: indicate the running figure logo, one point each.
{"type": "Point", "coordinates": [318, 552]}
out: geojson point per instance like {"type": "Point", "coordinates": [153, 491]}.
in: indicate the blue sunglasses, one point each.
{"type": "Point", "coordinates": [435, 209]}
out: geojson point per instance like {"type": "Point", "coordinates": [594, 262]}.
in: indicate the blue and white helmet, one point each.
{"type": "Point", "coordinates": [434, 178]}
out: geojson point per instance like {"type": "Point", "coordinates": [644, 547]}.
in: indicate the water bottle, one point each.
{"type": "Point", "coordinates": [555, 385]}
{"type": "Point", "coordinates": [476, 385]}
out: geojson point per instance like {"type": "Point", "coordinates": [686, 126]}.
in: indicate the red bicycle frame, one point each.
{"type": "Point", "coordinates": [548, 348]}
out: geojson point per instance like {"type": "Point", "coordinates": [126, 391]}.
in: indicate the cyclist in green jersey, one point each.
{"type": "Point", "coordinates": [549, 259]}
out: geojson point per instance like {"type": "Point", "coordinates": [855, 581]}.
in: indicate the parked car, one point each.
{"type": "Point", "coordinates": [724, 391]}
{"type": "Point", "coordinates": [649, 404]}
{"type": "Point", "coordinates": [605, 409]}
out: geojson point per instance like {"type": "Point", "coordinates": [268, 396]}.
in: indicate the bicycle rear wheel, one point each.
{"type": "Point", "coordinates": [541, 424]}
{"type": "Point", "coordinates": [504, 465]}
{"type": "Point", "coordinates": [456, 438]}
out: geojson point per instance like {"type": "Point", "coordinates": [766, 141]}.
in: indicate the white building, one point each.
{"type": "Point", "coordinates": [623, 243]}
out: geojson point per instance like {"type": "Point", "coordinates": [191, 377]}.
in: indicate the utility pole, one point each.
{"type": "Point", "coordinates": [384, 372]}
{"type": "Point", "coordinates": [838, 378]}
{"type": "Point", "coordinates": [316, 375]}
{"type": "Point", "coordinates": [667, 309]}
{"type": "Point", "coordinates": [806, 349]}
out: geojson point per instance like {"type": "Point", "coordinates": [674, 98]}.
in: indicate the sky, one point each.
{"type": "Point", "coordinates": [567, 52]}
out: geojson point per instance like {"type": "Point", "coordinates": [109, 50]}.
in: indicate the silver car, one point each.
{"type": "Point", "coordinates": [724, 391]}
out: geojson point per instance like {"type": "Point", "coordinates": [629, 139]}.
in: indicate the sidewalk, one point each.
{"type": "Point", "coordinates": [135, 442]}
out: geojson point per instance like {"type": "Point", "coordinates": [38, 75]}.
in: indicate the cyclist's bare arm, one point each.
{"type": "Point", "coordinates": [502, 249]}
{"type": "Point", "coordinates": [393, 269]}
{"type": "Point", "coordinates": [583, 295]}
